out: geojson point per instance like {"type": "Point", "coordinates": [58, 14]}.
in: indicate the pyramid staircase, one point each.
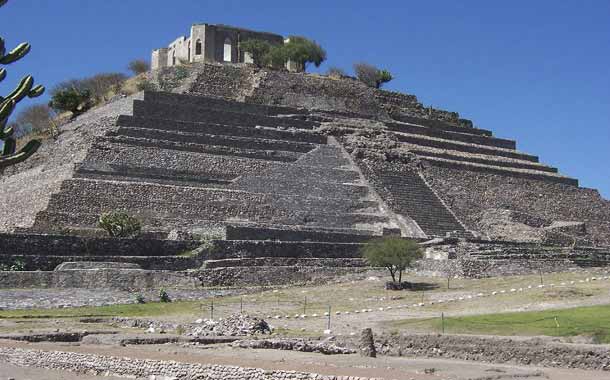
{"type": "Point", "coordinates": [283, 194]}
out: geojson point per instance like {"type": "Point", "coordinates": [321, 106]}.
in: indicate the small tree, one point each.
{"type": "Point", "coordinates": [138, 66]}
{"type": "Point", "coordinates": [101, 84]}
{"type": "Point", "coordinates": [276, 57]}
{"type": "Point", "coordinates": [393, 253]}
{"type": "Point", "coordinates": [371, 75]}
{"type": "Point", "coordinates": [257, 49]}
{"type": "Point", "coordinates": [34, 118]}
{"type": "Point", "coordinates": [303, 51]}
{"type": "Point", "coordinates": [71, 99]}
{"type": "Point", "coordinates": [119, 224]}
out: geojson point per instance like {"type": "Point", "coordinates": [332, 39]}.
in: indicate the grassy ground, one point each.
{"type": "Point", "coordinates": [357, 295]}
{"type": "Point", "coordinates": [591, 321]}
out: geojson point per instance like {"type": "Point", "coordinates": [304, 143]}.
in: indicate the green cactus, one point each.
{"type": "Point", "coordinates": [25, 88]}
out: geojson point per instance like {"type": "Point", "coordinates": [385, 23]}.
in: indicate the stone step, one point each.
{"type": "Point", "coordinates": [325, 156]}
{"type": "Point", "coordinates": [462, 147]}
{"type": "Point", "coordinates": [305, 136]}
{"type": "Point", "coordinates": [146, 175]}
{"type": "Point", "coordinates": [452, 135]}
{"type": "Point", "coordinates": [440, 125]}
{"type": "Point", "coordinates": [407, 194]}
{"type": "Point", "coordinates": [250, 143]}
{"type": "Point", "coordinates": [219, 104]}
{"type": "Point", "coordinates": [57, 221]}
{"type": "Point", "coordinates": [424, 152]}
{"type": "Point", "coordinates": [115, 154]}
{"type": "Point", "coordinates": [65, 245]}
{"type": "Point", "coordinates": [83, 195]}
{"type": "Point", "coordinates": [197, 114]}
{"type": "Point", "coordinates": [513, 172]}
{"type": "Point", "coordinates": [216, 150]}
{"type": "Point", "coordinates": [244, 232]}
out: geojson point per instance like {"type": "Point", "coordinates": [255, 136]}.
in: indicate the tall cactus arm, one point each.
{"type": "Point", "coordinates": [24, 153]}
{"type": "Point", "coordinates": [2, 74]}
{"type": "Point", "coordinates": [10, 145]}
{"type": "Point", "coordinates": [22, 89]}
{"type": "Point", "coordinates": [36, 91]}
{"type": "Point", "coordinates": [2, 44]}
{"type": "Point", "coordinates": [16, 54]}
{"type": "Point", "coordinates": [6, 108]}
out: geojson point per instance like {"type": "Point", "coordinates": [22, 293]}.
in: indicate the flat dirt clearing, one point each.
{"type": "Point", "coordinates": [343, 365]}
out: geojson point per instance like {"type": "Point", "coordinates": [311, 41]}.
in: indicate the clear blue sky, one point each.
{"type": "Point", "coordinates": [534, 71]}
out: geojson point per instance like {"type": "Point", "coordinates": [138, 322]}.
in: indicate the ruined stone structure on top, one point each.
{"type": "Point", "coordinates": [291, 173]}
{"type": "Point", "coordinates": [210, 43]}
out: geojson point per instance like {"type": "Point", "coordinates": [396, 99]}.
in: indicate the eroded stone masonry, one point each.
{"type": "Point", "coordinates": [291, 173]}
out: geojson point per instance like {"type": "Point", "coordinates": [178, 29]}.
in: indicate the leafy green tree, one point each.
{"type": "Point", "coordinates": [371, 75]}
{"type": "Point", "coordinates": [25, 88]}
{"type": "Point", "coordinates": [303, 51]}
{"type": "Point", "coordinates": [257, 49]}
{"type": "Point", "coordinates": [119, 224]}
{"type": "Point", "coordinates": [276, 57]}
{"type": "Point", "coordinates": [72, 99]}
{"type": "Point", "coordinates": [393, 253]}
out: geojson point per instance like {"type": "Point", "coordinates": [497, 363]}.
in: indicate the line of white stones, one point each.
{"type": "Point", "coordinates": [441, 301]}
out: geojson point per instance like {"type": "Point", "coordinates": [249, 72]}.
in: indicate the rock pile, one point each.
{"type": "Point", "coordinates": [234, 325]}
{"type": "Point", "coordinates": [326, 347]}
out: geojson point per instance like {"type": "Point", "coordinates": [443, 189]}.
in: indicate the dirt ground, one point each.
{"type": "Point", "coordinates": [343, 365]}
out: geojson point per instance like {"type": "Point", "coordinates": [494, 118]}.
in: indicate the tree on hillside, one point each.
{"type": "Point", "coordinates": [257, 49]}
{"type": "Point", "coordinates": [371, 75]}
{"type": "Point", "coordinates": [25, 88]}
{"type": "Point", "coordinates": [100, 85]}
{"type": "Point", "coordinates": [276, 57]}
{"type": "Point", "coordinates": [303, 52]}
{"type": "Point", "coordinates": [75, 99]}
{"type": "Point", "coordinates": [393, 253]}
{"type": "Point", "coordinates": [138, 66]}
{"type": "Point", "coordinates": [34, 118]}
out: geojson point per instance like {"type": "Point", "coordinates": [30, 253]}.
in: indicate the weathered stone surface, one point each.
{"type": "Point", "coordinates": [366, 344]}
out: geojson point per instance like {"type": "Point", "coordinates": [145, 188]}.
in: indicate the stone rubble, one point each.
{"type": "Point", "coordinates": [326, 346]}
{"type": "Point", "coordinates": [234, 325]}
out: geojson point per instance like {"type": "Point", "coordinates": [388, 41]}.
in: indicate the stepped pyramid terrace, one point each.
{"type": "Point", "coordinates": [289, 174]}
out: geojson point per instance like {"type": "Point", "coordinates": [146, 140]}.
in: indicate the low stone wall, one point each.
{"type": "Point", "coordinates": [226, 249]}
{"type": "Point", "coordinates": [128, 279]}
{"type": "Point", "coordinates": [287, 234]}
{"type": "Point", "coordinates": [140, 368]}
{"type": "Point", "coordinates": [494, 268]}
{"type": "Point", "coordinates": [64, 245]}
{"type": "Point", "coordinates": [273, 275]}
{"type": "Point", "coordinates": [520, 351]}
{"type": "Point", "coordinates": [99, 278]}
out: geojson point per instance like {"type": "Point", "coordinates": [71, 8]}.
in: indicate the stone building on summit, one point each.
{"type": "Point", "coordinates": [210, 43]}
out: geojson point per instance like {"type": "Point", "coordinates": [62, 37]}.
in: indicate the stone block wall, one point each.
{"type": "Point", "coordinates": [468, 193]}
